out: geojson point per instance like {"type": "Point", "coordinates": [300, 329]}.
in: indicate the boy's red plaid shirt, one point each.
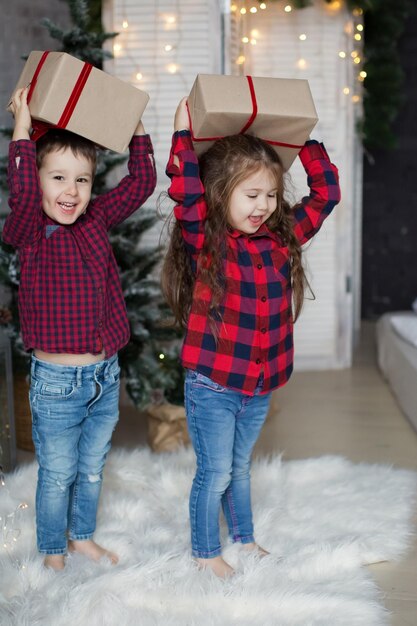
{"type": "Point", "coordinates": [70, 296]}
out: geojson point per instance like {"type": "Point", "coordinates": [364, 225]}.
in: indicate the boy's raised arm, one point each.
{"type": "Point", "coordinates": [134, 189]}
{"type": "Point", "coordinates": [22, 223]}
{"type": "Point", "coordinates": [22, 120]}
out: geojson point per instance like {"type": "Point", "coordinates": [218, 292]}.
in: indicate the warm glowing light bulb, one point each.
{"type": "Point", "coordinates": [245, 39]}
{"type": "Point", "coordinates": [301, 64]}
{"type": "Point", "coordinates": [253, 41]}
{"type": "Point", "coordinates": [168, 47]}
{"type": "Point", "coordinates": [125, 24]}
{"type": "Point", "coordinates": [233, 8]}
{"type": "Point", "coordinates": [342, 54]}
{"type": "Point", "coordinates": [171, 19]}
{"type": "Point", "coordinates": [172, 68]}
{"type": "Point", "coordinates": [359, 27]}
{"type": "Point", "coordinates": [357, 12]}
{"type": "Point", "coordinates": [288, 8]}
{"type": "Point", "coordinates": [356, 98]}
{"type": "Point", "coordinates": [357, 60]}
{"type": "Point", "coordinates": [262, 5]}
{"type": "Point", "coordinates": [302, 37]}
{"type": "Point", "coordinates": [363, 74]}
{"type": "Point", "coordinates": [253, 10]}
{"type": "Point", "coordinates": [243, 11]}
{"type": "Point", "coordinates": [335, 6]}
{"type": "Point", "coordinates": [240, 60]}
{"type": "Point", "coordinates": [358, 37]}
{"type": "Point", "coordinates": [117, 47]}
{"type": "Point", "coordinates": [346, 91]}
{"type": "Point", "coordinates": [162, 356]}
{"type": "Point", "coordinates": [139, 76]}
{"type": "Point", "coordinates": [254, 32]}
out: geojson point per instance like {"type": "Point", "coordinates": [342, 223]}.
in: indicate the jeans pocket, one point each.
{"type": "Point", "coordinates": [206, 382]}
{"type": "Point", "coordinates": [54, 390]}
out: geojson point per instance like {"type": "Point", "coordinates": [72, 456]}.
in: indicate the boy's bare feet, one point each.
{"type": "Point", "coordinates": [54, 561]}
{"type": "Point", "coordinates": [218, 566]}
{"type": "Point", "coordinates": [90, 548]}
{"type": "Point", "coordinates": [253, 547]}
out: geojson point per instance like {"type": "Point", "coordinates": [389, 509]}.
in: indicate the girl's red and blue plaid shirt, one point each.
{"type": "Point", "coordinates": [70, 295]}
{"type": "Point", "coordinates": [256, 330]}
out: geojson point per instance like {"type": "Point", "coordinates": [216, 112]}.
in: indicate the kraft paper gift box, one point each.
{"type": "Point", "coordinates": [167, 427]}
{"type": "Point", "coordinates": [279, 110]}
{"type": "Point", "coordinates": [71, 94]}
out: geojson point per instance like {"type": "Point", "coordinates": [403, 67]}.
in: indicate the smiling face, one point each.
{"type": "Point", "coordinates": [253, 201]}
{"type": "Point", "coordinates": [66, 181]}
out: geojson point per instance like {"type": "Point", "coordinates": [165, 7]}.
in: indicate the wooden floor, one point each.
{"type": "Point", "coordinates": [350, 413]}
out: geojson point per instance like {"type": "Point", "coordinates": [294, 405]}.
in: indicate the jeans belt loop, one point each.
{"type": "Point", "coordinates": [79, 376]}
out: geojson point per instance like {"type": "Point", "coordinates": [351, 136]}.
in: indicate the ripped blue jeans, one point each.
{"type": "Point", "coordinates": [74, 412]}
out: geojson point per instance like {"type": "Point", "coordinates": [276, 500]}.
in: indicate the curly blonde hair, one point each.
{"type": "Point", "coordinates": [225, 165]}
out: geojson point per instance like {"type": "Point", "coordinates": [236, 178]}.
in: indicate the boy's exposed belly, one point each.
{"type": "Point", "coordinates": [69, 359]}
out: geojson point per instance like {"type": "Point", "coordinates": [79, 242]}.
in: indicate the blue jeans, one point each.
{"type": "Point", "coordinates": [74, 412]}
{"type": "Point", "coordinates": [224, 425]}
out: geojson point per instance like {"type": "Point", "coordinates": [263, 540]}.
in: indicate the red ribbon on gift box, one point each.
{"type": "Point", "coordinates": [39, 128]}
{"type": "Point", "coordinates": [249, 123]}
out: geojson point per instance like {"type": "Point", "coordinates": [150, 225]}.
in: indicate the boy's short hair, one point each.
{"type": "Point", "coordinates": [57, 139]}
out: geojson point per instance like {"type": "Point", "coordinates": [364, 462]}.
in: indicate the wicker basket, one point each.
{"type": "Point", "coordinates": [22, 414]}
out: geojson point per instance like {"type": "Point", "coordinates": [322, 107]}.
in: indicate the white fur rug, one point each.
{"type": "Point", "coordinates": [322, 519]}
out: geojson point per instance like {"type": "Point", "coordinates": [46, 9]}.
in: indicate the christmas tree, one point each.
{"type": "Point", "coordinates": [149, 362]}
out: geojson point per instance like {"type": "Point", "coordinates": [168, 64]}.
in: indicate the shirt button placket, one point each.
{"type": "Point", "coordinates": [100, 307]}
{"type": "Point", "coordinates": [263, 300]}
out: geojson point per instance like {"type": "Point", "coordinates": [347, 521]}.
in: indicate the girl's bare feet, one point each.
{"type": "Point", "coordinates": [54, 561]}
{"type": "Point", "coordinates": [90, 548]}
{"type": "Point", "coordinates": [218, 566]}
{"type": "Point", "coordinates": [253, 547]}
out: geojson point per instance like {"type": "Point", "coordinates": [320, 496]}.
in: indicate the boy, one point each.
{"type": "Point", "coordinates": [73, 318]}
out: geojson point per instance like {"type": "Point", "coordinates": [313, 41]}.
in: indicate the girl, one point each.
{"type": "Point", "coordinates": [234, 279]}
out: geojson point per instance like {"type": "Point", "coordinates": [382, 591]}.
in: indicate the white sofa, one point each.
{"type": "Point", "coordinates": [396, 335]}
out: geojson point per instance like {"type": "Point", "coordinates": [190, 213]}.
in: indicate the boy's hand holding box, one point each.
{"type": "Point", "coordinates": [74, 95]}
{"type": "Point", "coordinates": [279, 110]}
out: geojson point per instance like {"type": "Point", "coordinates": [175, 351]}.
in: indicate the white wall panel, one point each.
{"type": "Point", "coordinates": [196, 39]}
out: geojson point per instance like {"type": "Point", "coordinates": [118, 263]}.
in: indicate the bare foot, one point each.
{"type": "Point", "coordinates": [218, 566]}
{"type": "Point", "coordinates": [253, 547]}
{"type": "Point", "coordinates": [54, 561]}
{"type": "Point", "coordinates": [90, 548]}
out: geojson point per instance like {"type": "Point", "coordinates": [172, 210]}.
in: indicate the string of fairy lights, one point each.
{"type": "Point", "coordinates": [167, 22]}
{"type": "Point", "coordinates": [243, 13]}
{"type": "Point", "coordinates": [144, 65]}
